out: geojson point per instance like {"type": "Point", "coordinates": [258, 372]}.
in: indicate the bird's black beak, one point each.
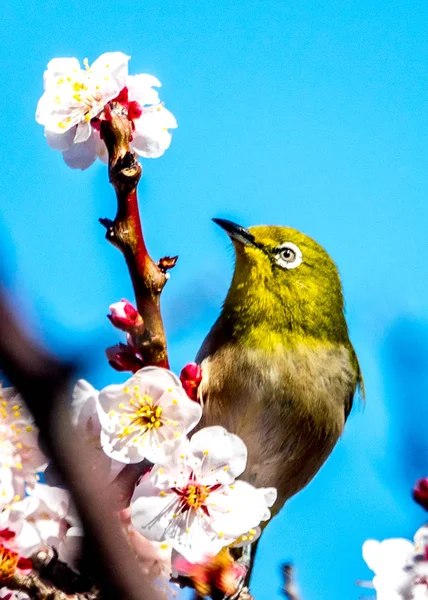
{"type": "Point", "coordinates": [236, 232]}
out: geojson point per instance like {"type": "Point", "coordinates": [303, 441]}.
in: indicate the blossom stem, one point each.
{"type": "Point", "coordinates": [290, 589]}
{"type": "Point", "coordinates": [125, 232]}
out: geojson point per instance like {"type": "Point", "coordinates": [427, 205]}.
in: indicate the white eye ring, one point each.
{"type": "Point", "coordinates": [288, 260]}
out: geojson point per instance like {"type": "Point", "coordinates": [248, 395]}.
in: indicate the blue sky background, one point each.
{"type": "Point", "coordinates": [309, 114]}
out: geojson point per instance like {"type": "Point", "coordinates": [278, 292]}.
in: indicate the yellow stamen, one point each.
{"type": "Point", "coordinates": [8, 563]}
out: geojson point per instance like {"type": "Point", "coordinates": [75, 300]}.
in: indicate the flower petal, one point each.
{"type": "Point", "coordinates": [83, 132]}
{"type": "Point", "coordinates": [60, 141]}
{"type": "Point", "coordinates": [84, 402]}
{"type": "Point", "coordinates": [110, 71]}
{"type": "Point", "coordinates": [152, 510]}
{"type": "Point", "coordinates": [155, 378]}
{"type": "Point", "coordinates": [58, 67]}
{"type": "Point", "coordinates": [236, 509]}
{"type": "Point", "coordinates": [81, 156]}
{"type": "Point", "coordinates": [119, 448]}
{"type": "Point", "coordinates": [56, 499]}
{"type": "Point", "coordinates": [7, 491]}
{"type": "Point", "coordinates": [223, 454]}
{"type": "Point", "coordinates": [387, 556]}
{"type": "Point", "coordinates": [151, 136]}
{"type": "Point", "coordinates": [140, 88]}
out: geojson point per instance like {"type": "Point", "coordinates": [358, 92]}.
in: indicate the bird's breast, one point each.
{"type": "Point", "coordinates": [287, 406]}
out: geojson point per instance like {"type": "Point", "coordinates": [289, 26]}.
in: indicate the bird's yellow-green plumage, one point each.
{"type": "Point", "coordinates": [278, 367]}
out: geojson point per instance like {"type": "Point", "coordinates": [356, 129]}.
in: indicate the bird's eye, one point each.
{"type": "Point", "coordinates": [288, 256]}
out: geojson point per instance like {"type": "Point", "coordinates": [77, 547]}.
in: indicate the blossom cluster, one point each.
{"type": "Point", "coordinates": [184, 513]}
{"type": "Point", "coordinates": [76, 100]}
{"type": "Point", "coordinates": [400, 566]}
{"type": "Point", "coordinates": [33, 515]}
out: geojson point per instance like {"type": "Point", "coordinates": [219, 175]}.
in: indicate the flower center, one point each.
{"type": "Point", "coordinates": [139, 416]}
{"type": "Point", "coordinates": [148, 416]}
{"type": "Point", "coordinates": [194, 495]}
{"type": "Point", "coordinates": [8, 563]}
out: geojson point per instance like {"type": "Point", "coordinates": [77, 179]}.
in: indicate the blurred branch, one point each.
{"type": "Point", "coordinates": [245, 594]}
{"type": "Point", "coordinates": [35, 588]}
{"type": "Point", "coordinates": [44, 382]}
{"type": "Point", "coordinates": [290, 589]}
{"type": "Point", "coordinates": [125, 232]}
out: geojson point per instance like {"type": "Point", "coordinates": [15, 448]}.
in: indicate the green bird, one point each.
{"type": "Point", "coordinates": [278, 367]}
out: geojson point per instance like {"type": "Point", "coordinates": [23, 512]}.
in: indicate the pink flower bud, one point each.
{"type": "Point", "coordinates": [191, 377]}
{"type": "Point", "coordinates": [124, 316]}
{"type": "Point", "coordinates": [124, 358]}
{"type": "Point", "coordinates": [420, 492]}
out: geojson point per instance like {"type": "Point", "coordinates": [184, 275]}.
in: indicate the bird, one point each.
{"type": "Point", "coordinates": [278, 367]}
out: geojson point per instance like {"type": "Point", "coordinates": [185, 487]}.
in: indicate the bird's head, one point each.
{"type": "Point", "coordinates": [284, 279]}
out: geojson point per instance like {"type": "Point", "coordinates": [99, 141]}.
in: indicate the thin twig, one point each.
{"type": "Point", "coordinates": [290, 589]}
{"type": "Point", "coordinates": [125, 232]}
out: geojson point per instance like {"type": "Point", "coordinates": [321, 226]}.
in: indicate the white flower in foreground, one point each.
{"type": "Point", "coordinates": [41, 519]}
{"type": "Point", "coordinates": [139, 416]}
{"type": "Point", "coordinates": [154, 557]}
{"type": "Point", "coordinates": [84, 413]}
{"type": "Point", "coordinates": [7, 491]}
{"type": "Point", "coordinates": [19, 449]}
{"type": "Point", "coordinates": [75, 99]}
{"type": "Point", "coordinates": [391, 561]}
{"type": "Point", "coordinates": [191, 499]}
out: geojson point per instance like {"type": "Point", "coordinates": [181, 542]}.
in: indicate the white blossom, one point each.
{"type": "Point", "coordinates": [191, 499]}
{"type": "Point", "coordinates": [151, 136]}
{"type": "Point", "coordinates": [391, 561]}
{"type": "Point", "coordinates": [7, 491]}
{"type": "Point", "coordinates": [41, 519]}
{"type": "Point", "coordinates": [139, 416]}
{"type": "Point", "coordinates": [75, 96]}
{"type": "Point", "coordinates": [85, 419]}
{"type": "Point", "coordinates": [19, 449]}
{"type": "Point", "coordinates": [154, 557]}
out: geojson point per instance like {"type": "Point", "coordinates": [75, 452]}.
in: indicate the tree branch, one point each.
{"type": "Point", "coordinates": [125, 232]}
{"type": "Point", "coordinates": [44, 383]}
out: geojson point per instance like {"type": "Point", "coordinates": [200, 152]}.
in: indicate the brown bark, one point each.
{"type": "Point", "coordinates": [125, 232]}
